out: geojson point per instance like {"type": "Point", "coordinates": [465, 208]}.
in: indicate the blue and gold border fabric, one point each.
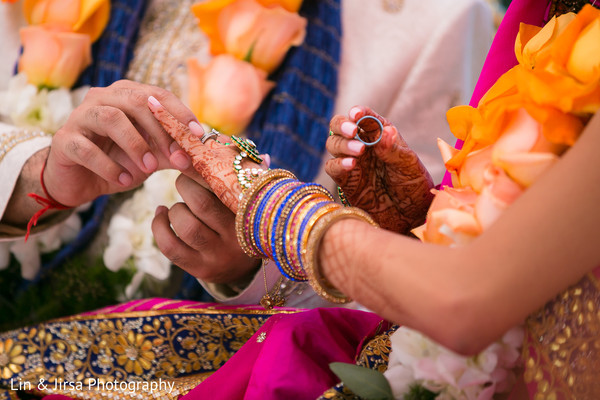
{"type": "Point", "coordinates": [164, 353]}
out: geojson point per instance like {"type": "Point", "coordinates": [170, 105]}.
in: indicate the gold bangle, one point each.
{"type": "Point", "coordinates": [277, 248]}
{"type": "Point", "coordinates": [248, 195]}
{"type": "Point", "coordinates": [313, 270]}
{"type": "Point", "coordinates": [292, 234]}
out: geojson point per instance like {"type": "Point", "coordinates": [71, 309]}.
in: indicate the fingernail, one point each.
{"type": "Point", "coordinates": [267, 159]}
{"type": "Point", "coordinates": [348, 162]}
{"type": "Point", "coordinates": [349, 129]}
{"type": "Point", "coordinates": [180, 160]}
{"type": "Point", "coordinates": [155, 104]}
{"type": "Point", "coordinates": [196, 128]}
{"type": "Point", "coordinates": [353, 112]}
{"type": "Point", "coordinates": [173, 147]}
{"type": "Point", "coordinates": [355, 146]}
{"type": "Point", "coordinates": [125, 179]}
{"type": "Point", "coordinates": [150, 162]}
{"type": "Point", "coordinates": [159, 210]}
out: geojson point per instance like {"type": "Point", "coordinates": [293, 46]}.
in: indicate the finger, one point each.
{"type": "Point", "coordinates": [357, 112]}
{"type": "Point", "coordinates": [196, 177]}
{"type": "Point", "coordinates": [267, 160]}
{"type": "Point", "coordinates": [338, 168]}
{"type": "Point", "coordinates": [392, 148]}
{"type": "Point", "coordinates": [340, 125]}
{"type": "Point", "coordinates": [113, 123]}
{"type": "Point", "coordinates": [175, 249]}
{"type": "Point", "coordinates": [81, 151]}
{"type": "Point", "coordinates": [204, 205]}
{"type": "Point", "coordinates": [132, 98]}
{"type": "Point", "coordinates": [339, 146]}
{"type": "Point", "coordinates": [191, 230]}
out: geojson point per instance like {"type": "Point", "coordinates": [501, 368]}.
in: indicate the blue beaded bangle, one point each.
{"type": "Point", "coordinates": [307, 218]}
{"type": "Point", "coordinates": [274, 230]}
{"type": "Point", "coordinates": [261, 208]}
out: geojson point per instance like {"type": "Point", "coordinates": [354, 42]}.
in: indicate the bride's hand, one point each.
{"type": "Point", "coordinates": [213, 159]}
{"type": "Point", "coordinates": [387, 180]}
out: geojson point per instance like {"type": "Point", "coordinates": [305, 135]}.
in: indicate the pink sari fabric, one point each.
{"type": "Point", "coordinates": [501, 56]}
{"type": "Point", "coordinates": [288, 358]}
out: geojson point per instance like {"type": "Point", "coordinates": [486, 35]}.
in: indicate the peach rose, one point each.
{"type": "Point", "coordinates": [250, 31]}
{"type": "Point", "coordinates": [226, 93]}
{"type": "Point", "coordinates": [451, 218]}
{"type": "Point", "coordinates": [53, 58]}
{"type": "Point", "coordinates": [82, 16]}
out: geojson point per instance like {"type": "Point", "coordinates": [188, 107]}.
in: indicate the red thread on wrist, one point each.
{"type": "Point", "coordinates": [48, 202]}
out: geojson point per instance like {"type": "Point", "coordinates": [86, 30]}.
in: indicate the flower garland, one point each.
{"type": "Point", "coordinates": [527, 119]}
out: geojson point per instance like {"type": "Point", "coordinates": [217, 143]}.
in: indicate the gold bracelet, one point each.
{"type": "Point", "coordinates": [312, 267]}
{"type": "Point", "coordinates": [277, 246]}
{"type": "Point", "coordinates": [240, 219]}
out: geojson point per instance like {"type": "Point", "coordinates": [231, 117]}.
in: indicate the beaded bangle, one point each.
{"type": "Point", "coordinates": [283, 229]}
{"type": "Point", "coordinates": [275, 234]}
{"type": "Point", "coordinates": [280, 223]}
{"type": "Point", "coordinates": [241, 227]}
{"type": "Point", "coordinates": [313, 271]}
{"type": "Point", "coordinates": [311, 218]}
{"type": "Point", "coordinates": [265, 224]}
{"type": "Point", "coordinates": [292, 228]}
{"type": "Point", "coordinates": [268, 202]}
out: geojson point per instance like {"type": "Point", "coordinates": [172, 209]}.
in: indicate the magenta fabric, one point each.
{"type": "Point", "coordinates": [501, 56]}
{"type": "Point", "coordinates": [288, 358]}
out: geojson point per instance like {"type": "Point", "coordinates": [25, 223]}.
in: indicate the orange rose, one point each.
{"type": "Point", "coordinates": [226, 93]}
{"type": "Point", "coordinates": [249, 31]}
{"type": "Point", "coordinates": [53, 58]}
{"type": "Point", "coordinates": [527, 119]}
{"type": "Point", "coordinates": [82, 16]}
{"type": "Point", "coordinates": [290, 5]}
{"type": "Point", "coordinates": [563, 62]}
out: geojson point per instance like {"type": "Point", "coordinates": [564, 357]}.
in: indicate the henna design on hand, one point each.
{"type": "Point", "coordinates": [212, 160]}
{"type": "Point", "coordinates": [390, 183]}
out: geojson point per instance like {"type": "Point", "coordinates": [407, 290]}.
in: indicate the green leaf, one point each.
{"type": "Point", "coordinates": [364, 382]}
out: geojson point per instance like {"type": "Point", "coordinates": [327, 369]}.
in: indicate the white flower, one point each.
{"type": "Point", "coordinates": [44, 109]}
{"type": "Point", "coordinates": [28, 253]}
{"type": "Point", "coordinates": [130, 231]}
{"type": "Point", "coordinates": [416, 359]}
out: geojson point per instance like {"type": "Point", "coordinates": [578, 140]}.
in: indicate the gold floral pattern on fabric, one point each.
{"type": "Point", "coordinates": [562, 349]}
{"type": "Point", "coordinates": [375, 354]}
{"type": "Point", "coordinates": [339, 392]}
{"type": "Point", "coordinates": [178, 347]}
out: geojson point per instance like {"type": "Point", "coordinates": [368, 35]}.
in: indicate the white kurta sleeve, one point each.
{"type": "Point", "coordinates": [16, 147]}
